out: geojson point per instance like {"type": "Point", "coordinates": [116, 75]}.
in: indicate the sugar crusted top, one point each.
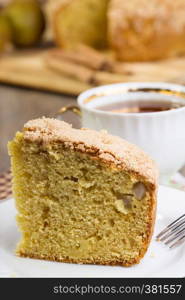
{"type": "Point", "coordinates": [100, 144]}
{"type": "Point", "coordinates": [166, 13]}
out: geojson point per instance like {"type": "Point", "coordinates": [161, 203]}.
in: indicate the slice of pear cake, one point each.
{"type": "Point", "coordinates": [82, 196]}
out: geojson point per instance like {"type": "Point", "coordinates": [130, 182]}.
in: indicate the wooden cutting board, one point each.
{"type": "Point", "coordinates": [28, 69]}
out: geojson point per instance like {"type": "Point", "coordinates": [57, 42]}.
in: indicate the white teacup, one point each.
{"type": "Point", "coordinates": [160, 134]}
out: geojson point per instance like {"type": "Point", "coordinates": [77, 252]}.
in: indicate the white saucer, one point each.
{"type": "Point", "coordinates": [158, 262]}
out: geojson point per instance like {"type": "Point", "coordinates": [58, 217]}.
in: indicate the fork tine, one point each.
{"type": "Point", "coordinates": [178, 242]}
{"type": "Point", "coordinates": [169, 227]}
{"type": "Point", "coordinates": [173, 230]}
{"type": "Point", "coordinates": [175, 236]}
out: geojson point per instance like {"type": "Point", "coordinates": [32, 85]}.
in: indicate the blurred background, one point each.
{"type": "Point", "coordinates": [52, 50]}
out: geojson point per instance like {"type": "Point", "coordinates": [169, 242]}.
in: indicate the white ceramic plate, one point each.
{"type": "Point", "coordinates": [158, 262]}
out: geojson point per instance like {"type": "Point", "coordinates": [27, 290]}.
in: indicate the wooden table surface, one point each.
{"type": "Point", "coordinates": [17, 106]}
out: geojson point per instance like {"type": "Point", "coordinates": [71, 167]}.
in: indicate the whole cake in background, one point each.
{"type": "Point", "coordinates": [137, 30]}
{"type": "Point", "coordinates": [82, 196]}
{"type": "Point", "coordinates": [140, 30]}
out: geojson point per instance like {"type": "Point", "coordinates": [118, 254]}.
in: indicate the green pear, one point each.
{"type": "Point", "coordinates": [27, 21]}
{"type": "Point", "coordinates": [5, 33]}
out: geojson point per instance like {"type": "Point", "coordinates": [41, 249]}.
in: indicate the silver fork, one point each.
{"type": "Point", "coordinates": [174, 234]}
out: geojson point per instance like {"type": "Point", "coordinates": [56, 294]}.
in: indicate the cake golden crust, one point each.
{"type": "Point", "coordinates": [87, 261]}
{"type": "Point", "coordinates": [142, 26]}
{"type": "Point", "coordinates": [100, 145]}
